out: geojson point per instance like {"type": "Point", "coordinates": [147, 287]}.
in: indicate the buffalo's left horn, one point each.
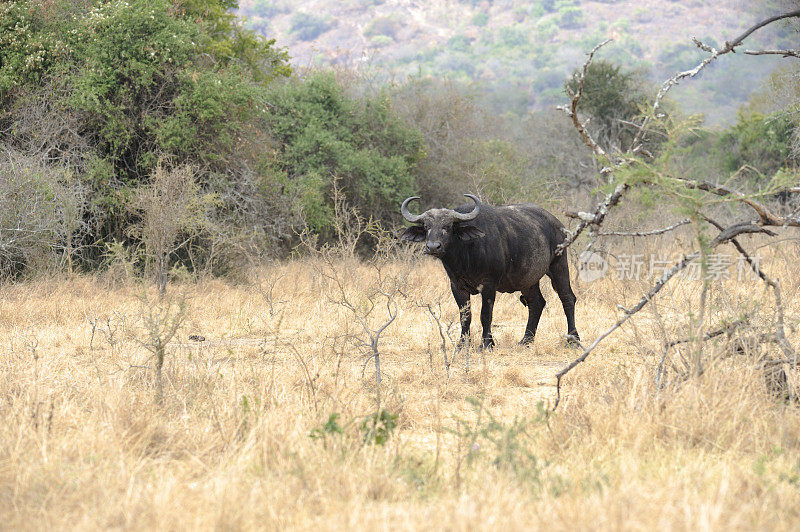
{"type": "Point", "coordinates": [413, 218]}
{"type": "Point", "coordinates": [467, 216]}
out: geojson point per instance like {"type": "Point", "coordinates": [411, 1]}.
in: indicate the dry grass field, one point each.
{"type": "Point", "coordinates": [266, 424]}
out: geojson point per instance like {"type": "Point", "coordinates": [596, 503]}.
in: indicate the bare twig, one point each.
{"type": "Point", "coordinates": [729, 46]}
{"type": "Point", "coordinates": [310, 381]}
{"type": "Point", "coordinates": [728, 328]}
{"type": "Point", "coordinates": [350, 227]}
{"type": "Point", "coordinates": [438, 319]}
{"type": "Point", "coordinates": [725, 329]}
{"type": "Point", "coordinates": [161, 322]}
{"type": "Point", "coordinates": [780, 332]}
{"type": "Point", "coordinates": [784, 53]}
{"type": "Point", "coordinates": [647, 233]}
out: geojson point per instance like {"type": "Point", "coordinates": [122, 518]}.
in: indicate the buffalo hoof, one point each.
{"type": "Point", "coordinates": [488, 344]}
{"type": "Point", "coordinates": [526, 340]}
{"type": "Point", "coordinates": [574, 341]}
{"type": "Point", "coordinates": [463, 343]}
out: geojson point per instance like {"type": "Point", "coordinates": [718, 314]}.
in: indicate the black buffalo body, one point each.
{"type": "Point", "coordinates": [487, 249]}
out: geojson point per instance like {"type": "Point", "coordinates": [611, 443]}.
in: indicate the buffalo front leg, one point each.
{"type": "Point", "coordinates": [464, 313]}
{"type": "Point", "coordinates": [533, 298]}
{"type": "Point", "coordinates": [487, 306]}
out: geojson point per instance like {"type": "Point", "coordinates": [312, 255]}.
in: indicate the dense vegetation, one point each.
{"type": "Point", "coordinates": [96, 95]}
{"type": "Point", "coordinates": [162, 134]}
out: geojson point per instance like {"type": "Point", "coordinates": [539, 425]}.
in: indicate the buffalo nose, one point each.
{"type": "Point", "coordinates": [433, 246]}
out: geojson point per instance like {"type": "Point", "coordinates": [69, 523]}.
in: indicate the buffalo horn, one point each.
{"type": "Point", "coordinates": [413, 218]}
{"type": "Point", "coordinates": [467, 216]}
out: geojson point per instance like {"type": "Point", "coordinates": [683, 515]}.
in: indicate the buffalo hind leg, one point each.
{"type": "Point", "coordinates": [534, 300]}
{"type": "Point", "coordinates": [559, 276]}
{"type": "Point", "coordinates": [464, 313]}
{"type": "Point", "coordinates": [488, 294]}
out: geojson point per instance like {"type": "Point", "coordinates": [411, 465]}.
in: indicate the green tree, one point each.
{"type": "Point", "coordinates": [612, 98]}
{"type": "Point", "coordinates": [228, 41]}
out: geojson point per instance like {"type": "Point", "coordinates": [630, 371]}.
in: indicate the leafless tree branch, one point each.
{"type": "Point", "coordinates": [726, 235]}
{"type": "Point", "coordinates": [647, 233]}
{"type": "Point", "coordinates": [784, 53]}
{"type": "Point", "coordinates": [766, 217]}
{"type": "Point", "coordinates": [593, 219]}
{"type": "Point", "coordinates": [728, 328]}
{"type": "Point", "coordinates": [729, 46]}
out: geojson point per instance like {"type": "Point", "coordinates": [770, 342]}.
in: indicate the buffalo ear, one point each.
{"type": "Point", "coordinates": [415, 233]}
{"type": "Point", "coordinates": [468, 232]}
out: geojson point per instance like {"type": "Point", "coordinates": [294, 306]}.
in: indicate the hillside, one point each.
{"type": "Point", "coordinates": [520, 52]}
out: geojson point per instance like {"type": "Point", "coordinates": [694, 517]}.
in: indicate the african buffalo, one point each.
{"type": "Point", "coordinates": [487, 249]}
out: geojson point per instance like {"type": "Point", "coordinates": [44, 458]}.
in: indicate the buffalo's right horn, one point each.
{"type": "Point", "coordinates": [467, 216]}
{"type": "Point", "coordinates": [413, 218]}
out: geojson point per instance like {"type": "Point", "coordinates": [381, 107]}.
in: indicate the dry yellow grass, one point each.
{"type": "Point", "coordinates": [84, 444]}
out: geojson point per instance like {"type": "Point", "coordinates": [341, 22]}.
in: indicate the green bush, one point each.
{"type": "Point", "coordinates": [571, 17]}
{"type": "Point", "coordinates": [546, 29]}
{"type": "Point", "coordinates": [210, 111]}
{"type": "Point", "coordinates": [379, 427]}
{"type": "Point", "coordinates": [388, 26]}
{"type": "Point", "coordinates": [308, 26]}
{"type": "Point", "coordinates": [326, 134]}
{"type": "Point", "coordinates": [381, 40]}
{"type": "Point", "coordinates": [548, 5]}
{"type": "Point", "coordinates": [269, 8]}
{"type": "Point", "coordinates": [459, 43]}
{"type": "Point", "coordinates": [127, 57]}
{"type": "Point", "coordinates": [30, 44]}
{"type": "Point", "coordinates": [480, 19]}
{"type": "Point", "coordinates": [513, 36]}
{"type": "Point", "coordinates": [536, 10]}
{"type": "Point", "coordinates": [762, 142]}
